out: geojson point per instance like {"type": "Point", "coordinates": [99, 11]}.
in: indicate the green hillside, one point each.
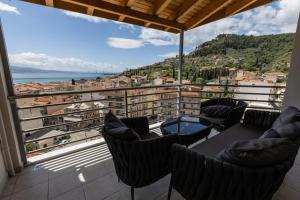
{"type": "Point", "coordinates": [210, 59]}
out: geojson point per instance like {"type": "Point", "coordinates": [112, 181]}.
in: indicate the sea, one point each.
{"type": "Point", "coordinates": [53, 77]}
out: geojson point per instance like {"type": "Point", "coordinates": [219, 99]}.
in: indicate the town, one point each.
{"type": "Point", "coordinates": [69, 119]}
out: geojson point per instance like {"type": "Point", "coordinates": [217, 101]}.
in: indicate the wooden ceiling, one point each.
{"type": "Point", "coordinates": [167, 15]}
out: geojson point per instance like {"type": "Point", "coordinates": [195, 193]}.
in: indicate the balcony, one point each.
{"type": "Point", "coordinates": [58, 135]}
{"type": "Point", "coordinates": [69, 159]}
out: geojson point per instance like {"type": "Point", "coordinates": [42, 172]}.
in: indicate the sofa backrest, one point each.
{"type": "Point", "coordinates": [195, 176]}
{"type": "Point", "coordinates": [261, 119]}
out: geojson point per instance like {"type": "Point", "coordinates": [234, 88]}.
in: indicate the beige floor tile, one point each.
{"type": "Point", "coordinates": [75, 194]}
{"type": "Point", "coordinates": [102, 187]}
{"type": "Point", "coordinates": [39, 191]}
{"type": "Point", "coordinates": [28, 180]}
{"type": "Point", "coordinates": [63, 184]}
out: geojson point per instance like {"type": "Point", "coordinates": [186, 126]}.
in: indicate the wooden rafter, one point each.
{"type": "Point", "coordinates": [207, 12]}
{"type": "Point", "coordinates": [129, 3]}
{"type": "Point", "coordinates": [239, 6]}
{"type": "Point", "coordinates": [49, 3]}
{"type": "Point", "coordinates": [121, 18]}
{"type": "Point", "coordinates": [166, 15]}
{"type": "Point", "coordinates": [90, 11]}
{"type": "Point", "coordinates": [127, 12]}
{"type": "Point", "coordinates": [160, 5]}
{"type": "Point", "coordinates": [220, 14]}
{"type": "Point", "coordinates": [186, 8]}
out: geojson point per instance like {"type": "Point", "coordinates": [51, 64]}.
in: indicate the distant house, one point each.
{"type": "Point", "coordinates": [80, 114]}
{"type": "Point", "coordinates": [139, 79]}
{"type": "Point", "coordinates": [158, 81]}
{"type": "Point", "coordinates": [42, 139]}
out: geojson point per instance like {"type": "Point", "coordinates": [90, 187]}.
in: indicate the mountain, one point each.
{"type": "Point", "coordinates": [208, 60]}
{"type": "Point", "coordinates": [17, 69]}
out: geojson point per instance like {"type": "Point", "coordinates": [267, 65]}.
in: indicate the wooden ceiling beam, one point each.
{"type": "Point", "coordinates": [160, 5]}
{"type": "Point", "coordinates": [257, 4]}
{"type": "Point", "coordinates": [90, 11]}
{"type": "Point", "coordinates": [121, 18]}
{"type": "Point", "coordinates": [207, 12]}
{"type": "Point", "coordinates": [129, 3]}
{"type": "Point", "coordinates": [127, 12]}
{"type": "Point", "coordinates": [239, 6]}
{"type": "Point", "coordinates": [186, 8]}
{"type": "Point", "coordinates": [222, 13]}
{"type": "Point", "coordinates": [49, 3]}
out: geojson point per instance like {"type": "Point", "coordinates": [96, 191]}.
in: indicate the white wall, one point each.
{"type": "Point", "coordinates": [292, 94]}
{"type": "Point", "coordinates": [3, 173]}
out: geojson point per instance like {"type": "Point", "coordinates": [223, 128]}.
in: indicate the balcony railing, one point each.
{"type": "Point", "coordinates": [51, 121]}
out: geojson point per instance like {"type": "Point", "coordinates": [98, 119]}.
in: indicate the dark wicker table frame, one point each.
{"type": "Point", "coordinates": [189, 137]}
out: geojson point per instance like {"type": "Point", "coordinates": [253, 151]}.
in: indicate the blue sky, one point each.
{"type": "Point", "coordinates": [48, 38]}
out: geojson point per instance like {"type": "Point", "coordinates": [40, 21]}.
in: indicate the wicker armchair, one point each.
{"type": "Point", "coordinates": [234, 116]}
{"type": "Point", "coordinates": [140, 162]}
{"type": "Point", "coordinates": [195, 176]}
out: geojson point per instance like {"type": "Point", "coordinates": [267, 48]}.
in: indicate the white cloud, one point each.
{"type": "Point", "coordinates": [158, 38]}
{"type": "Point", "coordinates": [279, 17]}
{"type": "Point", "coordinates": [84, 17]}
{"type": "Point", "coordinates": [9, 8]}
{"type": "Point", "coordinates": [124, 43]}
{"type": "Point", "coordinates": [46, 62]}
{"type": "Point", "coordinates": [123, 25]}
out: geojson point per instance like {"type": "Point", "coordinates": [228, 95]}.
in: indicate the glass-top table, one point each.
{"type": "Point", "coordinates": [189, 129]}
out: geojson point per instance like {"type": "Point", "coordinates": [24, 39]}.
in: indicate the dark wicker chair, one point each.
{"type": "Point", "coordinates": [140, 162]}
{"type": "Point", "coordinates": [234, 116]}
{"type": "Point", "coordinates": [197, 177]}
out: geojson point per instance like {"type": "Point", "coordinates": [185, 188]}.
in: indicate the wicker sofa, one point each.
{"type": "Point", "coordinates": [197, 173]}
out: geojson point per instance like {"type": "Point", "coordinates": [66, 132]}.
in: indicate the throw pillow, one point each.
{"type": "Point", "coordinates": [259, 152]}
{"type": "Point", "coordinates": [111, 121]}
{"type": "Point", "coordinates": [115, 127]}
{"type": "Point", "coordinates": [271, 133]}
{"type": "Point", "coordinates": [123, 133]}
{"type": "Point", "coordinates": [288, 115]}
{"type": "Point", "coordinates": [290, 131]}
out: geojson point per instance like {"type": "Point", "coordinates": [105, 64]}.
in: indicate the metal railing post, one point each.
{"type": "Point", "coordinates": [181, 39]}
{"type": "Point", "coordinates": [126, 103]}
{"type": "Point", "coordinates": [179, 102]}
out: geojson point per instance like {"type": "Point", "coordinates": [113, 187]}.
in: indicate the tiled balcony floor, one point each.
{"type": "Point", "coordinates": [90, 175]}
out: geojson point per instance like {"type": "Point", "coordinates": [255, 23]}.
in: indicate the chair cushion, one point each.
{"type": "Point", "coordinates": [150, 135]}
{"type": "Point", "coordinates": [216, 110]}
{"type": "Point", "coordinates": [288, 115]}
{"type": "Point", "coordinates": [258, 152]}
{"type": "Point", "coordinates": [115, 127]}
{"type": "Point", "coordinates": [271, 133]}
{"type": "Point", "coordinates": [290, 131]}
{"type": "Point", "coordinates": [214, 145]}
{"type": "Point", "coordinates": [123, 133]}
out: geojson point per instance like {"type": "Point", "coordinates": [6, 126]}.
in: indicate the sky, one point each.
{"type": "Point", "coordinates": [52, 39]}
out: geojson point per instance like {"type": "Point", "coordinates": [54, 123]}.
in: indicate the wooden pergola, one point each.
{"type": "Point", "coordinates": [167, 15]}
{"type": "Point", "coordinates": [174, 16]}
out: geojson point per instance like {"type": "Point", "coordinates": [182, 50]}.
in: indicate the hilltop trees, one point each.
{"type": "Point", "coordinates": [212, 58]}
